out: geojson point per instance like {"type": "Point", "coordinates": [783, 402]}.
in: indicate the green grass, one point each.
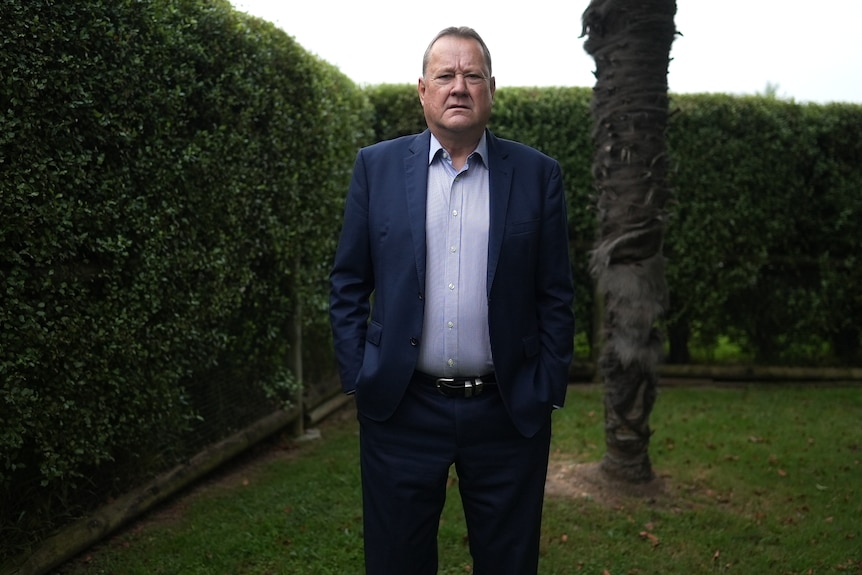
{"type": "Point", "coordinates": [758, 480]}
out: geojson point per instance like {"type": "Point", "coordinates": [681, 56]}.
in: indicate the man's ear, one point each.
{"type": "Point", "coordinates": [420, 88]}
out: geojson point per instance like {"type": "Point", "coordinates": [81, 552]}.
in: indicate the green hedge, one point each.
{"type": "Point", "coordinates": [763, 243]}
{"type": "Point", "coordinates": [173, 174]}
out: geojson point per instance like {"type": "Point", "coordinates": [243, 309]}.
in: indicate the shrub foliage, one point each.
{"type": "Point", "coordinates": [172, 174]}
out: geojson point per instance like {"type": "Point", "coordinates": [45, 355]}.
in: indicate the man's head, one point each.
{"type": "Point", "coordinates": [456, 88]}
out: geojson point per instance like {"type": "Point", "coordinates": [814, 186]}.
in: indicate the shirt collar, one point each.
{"type": "Point", "coordinates": [481, 149]}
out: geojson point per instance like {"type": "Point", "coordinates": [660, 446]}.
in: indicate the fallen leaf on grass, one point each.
{"type": "Point", "coordinates": [650, 537]}
{"type": "Point", "coordinates": [848, 565]}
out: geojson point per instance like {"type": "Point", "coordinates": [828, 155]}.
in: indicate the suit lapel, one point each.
{"type": "Point", "coordinates": [500, 187]}
{"type": "Point", "coordinates": [416, 183]}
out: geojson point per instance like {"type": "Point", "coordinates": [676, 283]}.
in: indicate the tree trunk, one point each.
{"type": "Point", "coordinates": [630, 41]}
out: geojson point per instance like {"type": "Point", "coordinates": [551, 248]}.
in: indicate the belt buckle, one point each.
{"type": "Point", "coordinates": [472, 387]}
{"type": "Point", "coordinates": [438, 383]}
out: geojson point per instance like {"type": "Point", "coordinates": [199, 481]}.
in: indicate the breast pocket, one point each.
{"type": "Point", "coordinates": [520, 249]}
{"type": "Point", "coordinates": [522, 228]}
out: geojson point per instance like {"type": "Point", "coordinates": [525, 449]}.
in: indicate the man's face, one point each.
{"type": "Point", "coordinates": [456, 91]}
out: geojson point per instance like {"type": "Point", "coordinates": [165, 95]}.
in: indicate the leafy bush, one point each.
{"type": "Point", "coordinates": [164, 211]}
{"type": "Point", "coordinates": [760, 234]}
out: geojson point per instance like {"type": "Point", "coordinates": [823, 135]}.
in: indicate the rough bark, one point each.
{"type": "Point", "coordinates": [630, 42]}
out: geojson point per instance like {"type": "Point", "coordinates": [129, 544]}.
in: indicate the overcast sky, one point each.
{"type": "Point", "coordinates": [809, 51]}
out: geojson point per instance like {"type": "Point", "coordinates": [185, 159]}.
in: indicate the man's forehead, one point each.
{"type": "Point", "coordinates": [451, 56]}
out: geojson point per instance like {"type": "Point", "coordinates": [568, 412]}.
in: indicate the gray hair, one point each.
{"type": "Point", "coordinates": [460, 32]}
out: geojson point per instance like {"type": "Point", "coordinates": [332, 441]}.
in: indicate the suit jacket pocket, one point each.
{"type": "Point", "coordinates": [373, 333]}
{"type": "Point", "coordinates": [371, 355]}
{"type": "Point", "coordinates": [531, 346]}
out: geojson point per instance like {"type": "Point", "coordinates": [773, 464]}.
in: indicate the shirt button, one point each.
{"type": "Point", "coordinates": [452, 249]}
{"type": "Point", "coordinates": [450, 363]}
{"type": "Point", "coordinates": [450, 325]}
{"type": "Point", "coordinates": [451, 286]}
{"type": "Point", "coordinates": [414, 342]}
{"type": "Point", "coordinates": [454, 212]}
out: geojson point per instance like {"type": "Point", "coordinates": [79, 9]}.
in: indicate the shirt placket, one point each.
{"type": "Point", "coordinates": [452, 273]}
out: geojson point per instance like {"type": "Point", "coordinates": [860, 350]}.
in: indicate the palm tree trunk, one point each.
{"type": "Point", "coordinates": [630, 41]}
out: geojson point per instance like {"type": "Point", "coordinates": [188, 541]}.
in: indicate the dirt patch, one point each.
{"type": "Point", "coordinates": [572, 480]}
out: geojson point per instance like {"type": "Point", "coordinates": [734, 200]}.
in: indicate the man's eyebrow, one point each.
{"type": "Point", "coordinates": [467, 70]}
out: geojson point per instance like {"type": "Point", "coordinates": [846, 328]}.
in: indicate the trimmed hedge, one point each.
{"type": "Point", "coordinates": [763, 244]}
{"type": "Point", "coordinates": [172, 182]}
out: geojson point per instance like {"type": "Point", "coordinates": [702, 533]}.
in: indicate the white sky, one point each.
{"type": "Point", "coordinates": [810, 50]}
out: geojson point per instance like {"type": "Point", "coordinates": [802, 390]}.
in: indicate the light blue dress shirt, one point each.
{"type": "Point", "coordinates": [455, 339]}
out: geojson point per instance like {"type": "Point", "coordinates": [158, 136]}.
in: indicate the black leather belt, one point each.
{"type": "Point", "coordinates": [457, 386]}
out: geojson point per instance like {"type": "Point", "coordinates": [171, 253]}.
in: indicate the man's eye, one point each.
{"type": "Point", "coordinates": [472, 78]}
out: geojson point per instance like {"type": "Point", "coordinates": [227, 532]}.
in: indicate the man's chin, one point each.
{"type": "Point", "coordinates": [459, 122]}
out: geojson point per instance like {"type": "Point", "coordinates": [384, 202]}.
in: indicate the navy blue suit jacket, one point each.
{"type": "Point", "coordinates": [378, 278]}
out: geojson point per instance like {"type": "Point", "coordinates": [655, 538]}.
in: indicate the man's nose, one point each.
{"type": "Point", "coordinates": [460, 83]}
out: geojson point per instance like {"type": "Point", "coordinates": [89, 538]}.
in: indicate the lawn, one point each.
{"type": "Point", "coordinates": [754, 480]}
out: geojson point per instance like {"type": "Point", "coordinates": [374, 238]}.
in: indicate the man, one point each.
{"type": "Point", "coordinates": [451, 309]}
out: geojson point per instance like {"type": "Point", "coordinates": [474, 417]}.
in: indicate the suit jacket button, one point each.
{"type": "Point", "coordinates": [414, 342]}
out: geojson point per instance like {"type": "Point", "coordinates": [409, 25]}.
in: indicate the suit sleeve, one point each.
{"type": "Point", "coordinates": [352, 281]}
{"type": "Point", "coordinates": [555, 293]}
